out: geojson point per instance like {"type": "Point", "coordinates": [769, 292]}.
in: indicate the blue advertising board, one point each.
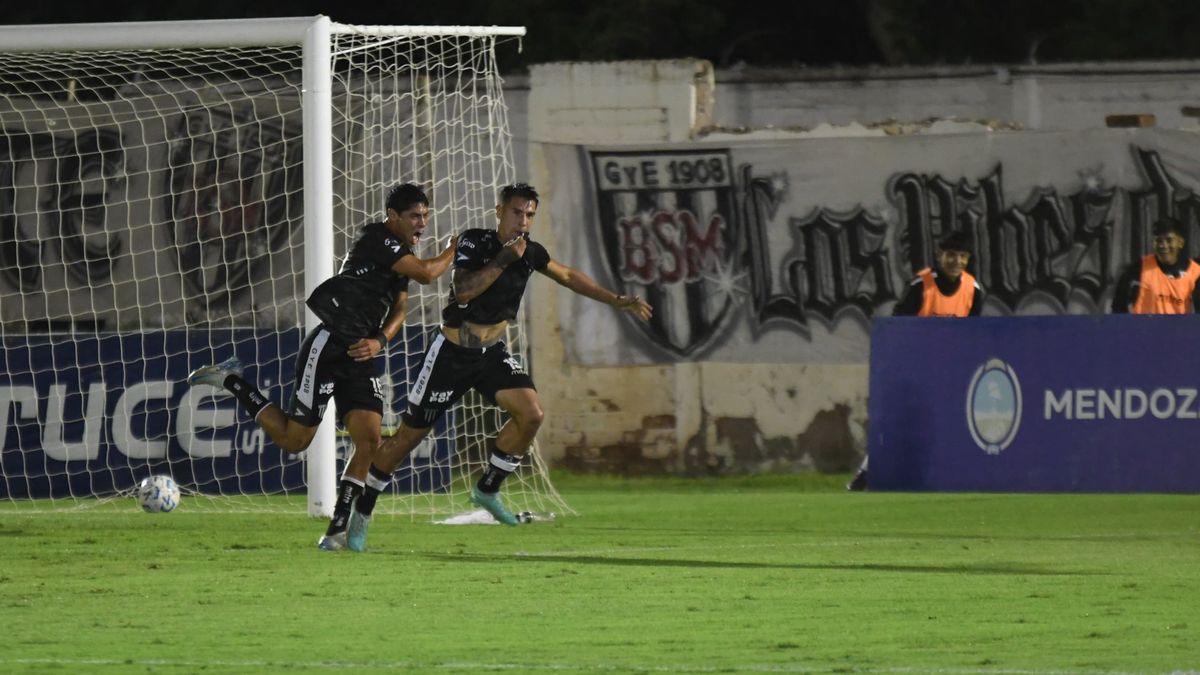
{"type": "Point", "coordinates": [94, 414]}
{"type": "Point", "coordinates": [1035, 404]}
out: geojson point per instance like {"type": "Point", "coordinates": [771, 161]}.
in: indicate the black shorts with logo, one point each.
{"type": "Point", "coordinates": [324, 369]}
{"type": "Point", "coordinates": [449, 371]}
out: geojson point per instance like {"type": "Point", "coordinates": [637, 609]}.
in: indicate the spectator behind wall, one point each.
{"type": "Point", "coordinates": [945, 290]}
{"type": "Point", "coordinates": [1163, 282]}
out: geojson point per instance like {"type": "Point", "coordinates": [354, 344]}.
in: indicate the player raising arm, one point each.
{"type": "Point", "coordinates": [361, 309]}
{"type": "Point", "coordinates": [491, 270]}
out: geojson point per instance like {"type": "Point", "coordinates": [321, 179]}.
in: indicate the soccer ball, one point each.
{"type": "Point", "coordinates": [158, 494]}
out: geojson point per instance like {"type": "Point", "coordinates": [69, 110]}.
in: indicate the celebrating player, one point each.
{"type": "Point", "coordinates": [491, 270]}
{"type": "Point", "coordinates": [361, 309]}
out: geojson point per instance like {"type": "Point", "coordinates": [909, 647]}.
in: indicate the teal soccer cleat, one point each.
{"type": "Point", "coordinates": [491, 503]}
{"type": "Point", "coordinates": [215, 375]}
{"type": "Point", "coordinates": [356, 532]}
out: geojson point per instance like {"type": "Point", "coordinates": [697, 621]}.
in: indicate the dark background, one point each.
{"type": "Point", "coordinates": [731, 32]}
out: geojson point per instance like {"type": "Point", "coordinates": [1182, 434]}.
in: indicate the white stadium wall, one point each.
{"type": "Point", "coordinates": [767, 252]}
{"type": "Point", "coordinates": [1042, 97]}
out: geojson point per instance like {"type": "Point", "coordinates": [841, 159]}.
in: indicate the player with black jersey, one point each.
{"type": "Point", "coordinates": [361, 309]}
{"type": "Point", "coordinates": [491, 270]}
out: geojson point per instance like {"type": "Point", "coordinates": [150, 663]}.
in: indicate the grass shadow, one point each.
{"type": "Point", "coordinates": [1013, 569]}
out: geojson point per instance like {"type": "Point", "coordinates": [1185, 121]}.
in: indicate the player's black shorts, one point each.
{"type": "Point", "coordinates": [449, 371]}
{"type": "Point", "coordinates": [324, 369]}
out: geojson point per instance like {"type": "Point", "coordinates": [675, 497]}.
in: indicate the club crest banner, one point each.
{"type": "Point", "coordinates": [783, 251]}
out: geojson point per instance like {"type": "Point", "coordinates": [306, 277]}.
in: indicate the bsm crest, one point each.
{"type": "Point", "coordinates": [669, 229]}
{"type": "Point", "coordinates": [235, 197]}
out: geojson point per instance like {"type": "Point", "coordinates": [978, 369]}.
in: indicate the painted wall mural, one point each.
{"type": "Point", "coordinates": [235, 192]}
{"type": "Point", "coordinates": [69, 179]}
{"type": "Point", "coordinates": [112, 222]}
{"type": "Point", "coordinates": [783, 252]}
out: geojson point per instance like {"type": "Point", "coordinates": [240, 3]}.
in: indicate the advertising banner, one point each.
{"type": "Point", "coordinates": [1035, 404]}
{"type": "Point", "coordinates": [94, 414]}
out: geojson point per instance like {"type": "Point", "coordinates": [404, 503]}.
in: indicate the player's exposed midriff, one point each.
{"type": "Point", "coordinates": [475, 335]}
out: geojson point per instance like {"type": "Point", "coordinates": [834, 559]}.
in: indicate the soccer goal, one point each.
{"type": "Point", "coordinates": [170, 193]}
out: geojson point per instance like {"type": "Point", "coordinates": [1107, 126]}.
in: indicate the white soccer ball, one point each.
{"type": "Point", "coordinates": [158, 494]}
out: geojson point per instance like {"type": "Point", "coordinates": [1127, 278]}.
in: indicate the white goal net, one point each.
{"type": "Point", "coordinates": [168, 195]}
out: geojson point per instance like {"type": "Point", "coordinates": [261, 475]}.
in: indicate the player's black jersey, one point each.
{"type": "Point", "coordinates": [501, 300]}
{"type": "Point", "coordinates": [353, 303]}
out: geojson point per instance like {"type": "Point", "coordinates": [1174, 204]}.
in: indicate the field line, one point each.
{"type": "Point", "coordinates": [555, 667]}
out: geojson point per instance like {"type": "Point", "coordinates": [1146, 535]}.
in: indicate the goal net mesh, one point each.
{"type": "Point", "coordinates": [152, 220]}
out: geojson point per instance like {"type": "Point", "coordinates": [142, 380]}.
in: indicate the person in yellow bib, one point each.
{"type": "Point", "coordinates": [1163, 282]}
{"type": "Point", "coordinates": [947, 290]}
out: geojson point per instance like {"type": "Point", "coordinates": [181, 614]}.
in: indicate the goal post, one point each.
{"type": "Point", "coordinates": [170, 193]}
{"type": "Point", "coordinates": [318, 231]}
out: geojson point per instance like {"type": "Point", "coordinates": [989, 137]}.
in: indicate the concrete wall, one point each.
{"type": "Point", "coordinates": [1037, 97]}
{"type": "Point", "coordinates": [700, 417]}
{"type": "Point", "coordinates": [1047, 97]}
{"type": "Point", "coordinates": [1068, 96]}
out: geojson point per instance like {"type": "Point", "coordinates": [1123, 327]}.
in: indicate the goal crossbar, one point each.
{"type": "Point", "coordinates": [209, 33]}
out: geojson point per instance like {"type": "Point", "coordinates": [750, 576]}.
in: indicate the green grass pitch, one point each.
{"type": "Point", "coordinates": [785, 574]}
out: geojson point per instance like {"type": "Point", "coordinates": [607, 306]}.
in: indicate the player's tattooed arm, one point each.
{"type": "Point", "coordinates": [469, 284]}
